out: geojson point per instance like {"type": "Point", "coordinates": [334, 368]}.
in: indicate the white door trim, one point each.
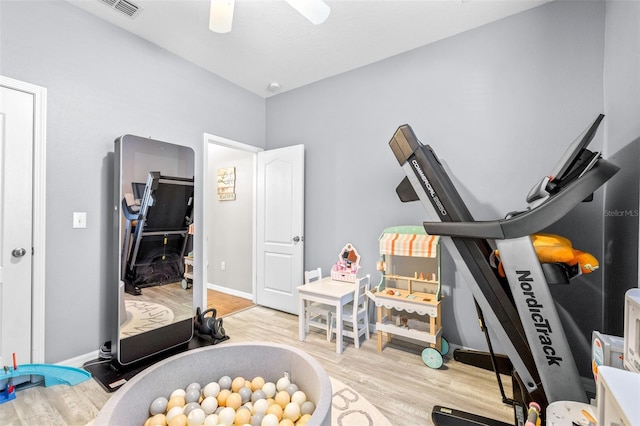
{"type": "Point", "coordinates": [39, 212]}
{"type": "Point", "coordinates": [218, 140]}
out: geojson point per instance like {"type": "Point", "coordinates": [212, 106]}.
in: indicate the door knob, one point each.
{"type": "Point", "coordinates": [18, 252]}
{"type": "Point", "coordinates": [296, 239]}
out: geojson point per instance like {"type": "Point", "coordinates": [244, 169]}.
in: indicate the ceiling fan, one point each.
{"type": "Point", "coordinates": [221, 13]}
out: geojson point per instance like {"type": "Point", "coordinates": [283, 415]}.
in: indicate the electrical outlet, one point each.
{"type": "Point", "coordinates": [223, 265]}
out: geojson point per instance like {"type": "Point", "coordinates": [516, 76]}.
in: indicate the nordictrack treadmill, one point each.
{"type": "Point", "coordinates": [519, 309]}
{"type": "Point", "coordinates": [156, 235]}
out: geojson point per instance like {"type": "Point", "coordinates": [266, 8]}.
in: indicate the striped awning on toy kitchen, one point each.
{"type": "Point", "coordinates": [408, 241]}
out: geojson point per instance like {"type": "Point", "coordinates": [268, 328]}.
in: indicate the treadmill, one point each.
{"type": "Point", "coordinates": [519, 309]}
{"type": "Point", "coordinates": [153, 249]}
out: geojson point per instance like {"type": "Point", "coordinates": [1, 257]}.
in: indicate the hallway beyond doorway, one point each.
{"type": "Point", "coordinates": [226, 304]}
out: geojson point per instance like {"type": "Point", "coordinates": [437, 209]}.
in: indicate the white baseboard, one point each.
{"type": "Point", "coordinates": [230, 291]}
{"type": "Point", "coordinates": [79, 361]}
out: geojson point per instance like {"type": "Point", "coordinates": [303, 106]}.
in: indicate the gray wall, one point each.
{"type": "Point", "coordinates": [622, 74]}
{"type": "Point", "coordinates": [499, 104]}
{"type": "Point", "coordinates": [103, 82]}
{"type": "Point", "coordinates": [622, 104]}
{"type": "Point", "coordinates": [231, 223]}
{"type": "Point", "coordinates": [622, 209]}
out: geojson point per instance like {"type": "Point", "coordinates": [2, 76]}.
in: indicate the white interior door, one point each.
{"type": "Point", "coordinates": [16, 156]}
{"type": "Point", "coordinates": [280, 224]}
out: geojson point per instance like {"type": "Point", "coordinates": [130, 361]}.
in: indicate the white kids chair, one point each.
{"type": "Point", "coordinates": [317, 314]}
{"type": "Point", "coordinates": [356, 314]}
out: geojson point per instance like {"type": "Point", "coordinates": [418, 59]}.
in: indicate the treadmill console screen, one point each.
{"type": "Point", "coordinates": [571, 157]}
{"type": "Point", "coordinates": [574, 162]}
{"type": "Point", "coordinates": [138, 190]}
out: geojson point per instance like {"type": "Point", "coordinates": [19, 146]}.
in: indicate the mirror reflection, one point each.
{"type": "Point", "coordinates": [156, 234]}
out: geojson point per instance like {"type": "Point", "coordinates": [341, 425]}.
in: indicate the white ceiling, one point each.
{"type": "Point", "coordinates": [271, 42]}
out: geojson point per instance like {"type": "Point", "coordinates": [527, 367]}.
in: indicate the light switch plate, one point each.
{"type": "Point", "coordinates": [79, 219]}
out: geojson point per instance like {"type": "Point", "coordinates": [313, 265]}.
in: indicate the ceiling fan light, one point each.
{"type": "Point", "coordinates": [315, 11]}
{"type": "Point", "coordinates": [221, 15]}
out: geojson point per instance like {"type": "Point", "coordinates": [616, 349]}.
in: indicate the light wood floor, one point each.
{"type": "Point", "coordinates": [180, 301]}
{"type": "Point", "coordinates": [225, 304]}
{"type": "Point", "coordinates": [394, 380]}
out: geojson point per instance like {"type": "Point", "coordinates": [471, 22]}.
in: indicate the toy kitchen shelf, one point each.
{"type": "Point", "coordinates": [406, 251]}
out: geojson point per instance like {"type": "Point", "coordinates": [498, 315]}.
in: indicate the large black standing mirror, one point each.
{"type": "Point", "coordinates": [154, 189]}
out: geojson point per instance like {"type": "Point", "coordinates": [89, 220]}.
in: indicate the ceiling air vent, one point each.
{"type": "Point", "coordinates": [124, 6]}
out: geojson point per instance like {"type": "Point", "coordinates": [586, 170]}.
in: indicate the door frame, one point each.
{"type": "Point", "coordinates": [39, 212]}
{"type": "Point", "coordinates": [228, 143]}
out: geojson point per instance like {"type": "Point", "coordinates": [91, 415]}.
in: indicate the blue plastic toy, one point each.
{"type": "Point", "coordinates": [52, 375]}
{"type": "Point", "coordinates": [8, 394]}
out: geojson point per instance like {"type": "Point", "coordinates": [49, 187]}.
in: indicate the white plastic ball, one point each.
{"type": "Point", "coordinates": [269, 389]}
{"type": "Point", "coordinates": [178, 392]}
{"type": "Point", "coordinates": [173, 412]}
{"type": "Point", "coordinates": [227, 416]}
{"type": "Point", "coordinates": [269, 420]}
{"type": "Point", "coordinates": [291, 411]}
{"type": "Point", "coordinates": [282, 383]}
{"type": "Point", "coordinates": [209, 404]}
{"type": "Point", "coordinates": [299, 397]}
{"type": "Point", "coordinates": [211, 420]}
{"type": "Point", "coordinates": [211, 389]}
{"type": "Point", "coordinates": [196, 417]}
{"type": "Point", "coordinates": [260, 406]}
{"type": "Point", "coordinates": [158, 405]}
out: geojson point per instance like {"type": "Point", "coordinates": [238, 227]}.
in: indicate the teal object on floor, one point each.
{"type": "Point", "coordinates": [52, 374]}
{"type": "Point", "coordinates": [444, 345]}
{"type": "Point", "coordinates": [432, 358]}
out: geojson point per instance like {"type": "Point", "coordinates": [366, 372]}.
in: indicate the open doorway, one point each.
{"type": "Point", "coordinates": [230, 197]}
{"type": "Point", "coordinates": [271, 186]}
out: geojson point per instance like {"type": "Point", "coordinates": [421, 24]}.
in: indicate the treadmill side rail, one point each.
{"type": "Point", "coordinates": [500, 314]}
{"type": "Point", "coordinates": [547, 340]}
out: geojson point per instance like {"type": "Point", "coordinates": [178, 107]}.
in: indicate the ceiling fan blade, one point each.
{"type": "Point", "coordinates": [221, 15]}
{"type": "Point", "coordinates": [315, 11]}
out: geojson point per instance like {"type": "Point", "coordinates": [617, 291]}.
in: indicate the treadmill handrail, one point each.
{"type": "Point", "coordinates": [534, 220]}
{"type": "Point", "coordinates": [129, 214]}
